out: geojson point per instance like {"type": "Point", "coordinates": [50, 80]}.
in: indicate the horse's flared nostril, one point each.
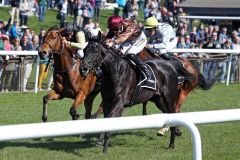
{"type": "Point", "coordinates": [42, 54]}
{"type": "Point", "coordinates": [84, 71]}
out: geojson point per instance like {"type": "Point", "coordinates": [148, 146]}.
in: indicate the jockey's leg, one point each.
{"type": "Point", "coordinates": [79, 54]}
{"type": "Point", "coordinates": [165, 56]}
{"type": "Point", "coordinates": [139, 63]}
{"type": "Point", "coordinates": [169, 46]}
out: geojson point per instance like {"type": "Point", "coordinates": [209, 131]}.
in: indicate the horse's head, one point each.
{"type": "Point", "coordinates": [93, 55]}
{"type": "Point", "coordinates": [52, 43]}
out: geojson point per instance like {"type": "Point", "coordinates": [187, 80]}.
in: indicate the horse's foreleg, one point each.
{"type": "Point", "coordinates": [99, 111]}
{"type": "Point", "coordinates": [181, 98]}
{"type": "Point", "coordinates": [115, 112]}
{"type": "Point", "coordinates": [50, 96]}
{"type": "Point", "coordinates": [172, 137]}
{"type": "Point", "coordinates": [78, 101]}
{"type": "Point", "coordinates": [144, 111]}
{"type": "Point", "coordinates": [106, 141]}
{"type": "Point", "coordinates": [88, 103]}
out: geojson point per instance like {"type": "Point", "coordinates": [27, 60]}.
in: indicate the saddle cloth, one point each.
{"type": "Point", "coordinates": [144, 83]}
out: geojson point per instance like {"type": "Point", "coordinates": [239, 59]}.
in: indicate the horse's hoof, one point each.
{"type": "Point", "coordinates": [105, 151]}
{"type": "Point", "coordinates": [171, 146]}
{"type": "Point", "coordinates": [44, 119]}
{"type": "Point", "coordinates": [178, 132]}
{"type": "Point", "coordinates": [99, 144]}
{"type": "Point", "coordinates": [94, 116]}
{"type": "Point", "coordinates": [162, 131]}
{"type": "Point", "coordinates": [75, 117]}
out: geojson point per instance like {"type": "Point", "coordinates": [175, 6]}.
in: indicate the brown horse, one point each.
{"type": "Point", "coordinates": [186, 87]}
{"type": "Point", "coordinates": [67, 79]}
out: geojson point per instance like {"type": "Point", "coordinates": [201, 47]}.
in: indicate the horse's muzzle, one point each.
{"type": "Point", "coordinates": [84, 71]}
{"type": "Point", "coordinates": [43, 54]}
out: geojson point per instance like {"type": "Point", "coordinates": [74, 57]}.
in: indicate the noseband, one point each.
{"type": "Point", "coordinates": [51, 48]}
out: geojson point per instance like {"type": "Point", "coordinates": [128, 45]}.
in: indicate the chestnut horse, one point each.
{"type": "Point", "coordinates": [186, 87]}
{"type": "Point", "coordinates": [68, 81]}
{"type": "Point", "coordinates": [119, 81]}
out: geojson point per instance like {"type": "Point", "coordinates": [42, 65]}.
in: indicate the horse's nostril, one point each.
{"type": "Point", "coordinates": [84, 69]}
{"type": "Point", "coordinates": [44, 52]}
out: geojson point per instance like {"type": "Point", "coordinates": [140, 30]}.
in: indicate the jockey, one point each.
{"type": "Point", "coordinates": [126, 35]}
{"type": "Point", "coordinates": [74, 36]}
{"type": "Point", "coordinates": [162, 37]}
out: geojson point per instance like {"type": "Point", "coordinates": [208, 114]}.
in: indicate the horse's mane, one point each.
{"type": "Point", "coordinates": [53, 28]}
{"type": "Point", "coordinates": [113, 50]}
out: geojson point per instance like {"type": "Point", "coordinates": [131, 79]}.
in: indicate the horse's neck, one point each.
{"type": "Point", "coordinates": [114, 66]}
{"type": "Point", "coordinates": [63, 61]}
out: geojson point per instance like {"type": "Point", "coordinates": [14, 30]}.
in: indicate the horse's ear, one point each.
{"type": "Point", "coordinates": [61, 30]}
{"type": "Point", "coordinates": [99, 36]}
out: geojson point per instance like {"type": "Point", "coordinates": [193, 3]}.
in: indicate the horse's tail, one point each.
{"type": "Point", "coordinates": [204, 83]}
{"type": "Point", "coordinates": [182, 71]}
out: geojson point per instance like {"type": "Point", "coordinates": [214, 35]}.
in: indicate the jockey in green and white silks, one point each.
{"type": "Point", "coordinates": [162, 37]}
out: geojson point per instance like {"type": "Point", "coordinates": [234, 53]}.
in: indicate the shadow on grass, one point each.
{"type": "Point", "coordinates": [72, 145]}
{"type": "Point", "coordinates": [55, 144]}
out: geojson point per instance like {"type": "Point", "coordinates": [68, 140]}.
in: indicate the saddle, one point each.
{"type": "Point", "coordinates": [174, 59]}
{"type": "Point", "coordinates": [142, 82]}
{"type": "Point", "coordinates": [142, 77]}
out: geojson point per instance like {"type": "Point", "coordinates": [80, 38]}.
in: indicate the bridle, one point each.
{"type": "Point", "coordinates": [58, 52]}
{"type": "Point", "coordinates": [98, 56]}
{"type": "Point", "coordinates": [50, 46]}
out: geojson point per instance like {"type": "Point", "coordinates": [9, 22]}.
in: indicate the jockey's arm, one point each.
{"type": "Point", "coordinates": [126, 34]}
{"type": "Point", "coordinates": [80, 41]}
{"type": "Point", "coordinates": [166, 36]}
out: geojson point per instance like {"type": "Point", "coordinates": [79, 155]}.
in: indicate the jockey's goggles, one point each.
{"type": "Point", "coordinates": [150, 29]}
{"type": "Point", "coordinates": [118, 29]}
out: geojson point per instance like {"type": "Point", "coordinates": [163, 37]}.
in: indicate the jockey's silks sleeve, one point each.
{"type": "Point", "coordinates": [131, 31]}
{"type": "Point", "coordinates": [80, 41]}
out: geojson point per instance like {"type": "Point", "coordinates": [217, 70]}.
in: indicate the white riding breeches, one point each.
{"type": "Point", "coordinates": [135, 46]}
{"type": "Point", "coordinates": [80, 53]}
{"type": "Point", "coordinates": [169, 46]}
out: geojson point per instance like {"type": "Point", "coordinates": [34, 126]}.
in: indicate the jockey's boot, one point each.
{"type": "Point", "coordinates": [165, 56]}
{"type": "Point", "coordinates": [140, 64]}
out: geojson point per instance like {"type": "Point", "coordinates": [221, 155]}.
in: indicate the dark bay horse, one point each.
{"type": "Point", "coordinates": [119, 81]}
{"type": "Point", "coordinates": [68, 81]}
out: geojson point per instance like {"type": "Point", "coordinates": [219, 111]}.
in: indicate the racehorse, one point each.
{"type": "Point", "coordinates": [68, 81]}
{"type": "Point", "coordinates": [119, 81]}
{"type": "Point", "coordinates": [186, 87]}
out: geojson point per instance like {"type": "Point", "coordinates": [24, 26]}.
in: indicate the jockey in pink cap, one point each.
{"type": "Point", "coordinates": [127, 35]}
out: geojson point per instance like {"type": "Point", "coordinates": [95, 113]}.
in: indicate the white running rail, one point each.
{"type": "Point", "coordinates": [188, 120]}
{"type": "Point", "coordinates": [228, 51]}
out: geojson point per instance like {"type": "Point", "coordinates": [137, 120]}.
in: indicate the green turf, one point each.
{"type": "Point", "coordinates": [219, 141]}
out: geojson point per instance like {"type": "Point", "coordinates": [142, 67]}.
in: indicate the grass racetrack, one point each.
{"type": "Point", "coordinates": [219, 141]}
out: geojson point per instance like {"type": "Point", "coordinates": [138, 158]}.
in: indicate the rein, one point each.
{"type": "Point", "coordinates": [59, 53]}
{"type": "Point", "coordinates": [66, 69]}
{"type": "Point", "coordinates": [112, 51]}
{"type": "Point", "coordinates": [56, 51]}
